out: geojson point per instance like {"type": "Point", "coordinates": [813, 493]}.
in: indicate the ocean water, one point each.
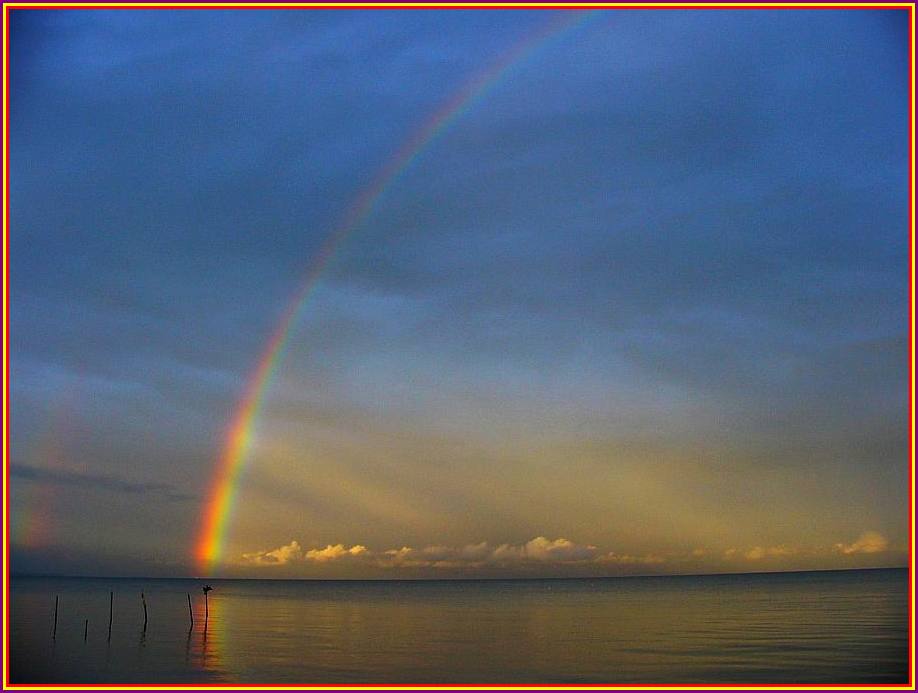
{"type": "Point", "coordinates": [817, 627]}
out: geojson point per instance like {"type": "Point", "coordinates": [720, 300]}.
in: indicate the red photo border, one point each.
{"type": "Point", "coordinates": [904, 6]}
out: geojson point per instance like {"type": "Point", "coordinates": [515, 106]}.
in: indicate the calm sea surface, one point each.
{"type": "Point", "coordinates": [845, 626]}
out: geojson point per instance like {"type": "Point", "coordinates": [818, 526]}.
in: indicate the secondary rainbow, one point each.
{"type": "Point", "coordinates": [220, 500]}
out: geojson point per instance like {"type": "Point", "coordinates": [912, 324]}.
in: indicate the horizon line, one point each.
{"type": "Point", "coordinates": [463, 579]}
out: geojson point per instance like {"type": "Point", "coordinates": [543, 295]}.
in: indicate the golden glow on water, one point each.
{"type": "Point", "coordinates": [211, 634]}
{"type": "Point", "coordinates": [798, 628]}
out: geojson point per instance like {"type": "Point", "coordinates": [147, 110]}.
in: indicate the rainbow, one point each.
{"type": "Point", "coordinates": [225, 485]}
{"type": "Point", "coordinates": [33, 524]}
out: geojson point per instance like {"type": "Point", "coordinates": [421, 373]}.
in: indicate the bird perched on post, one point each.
{"type": "Point", "coordinates": [206, 589]}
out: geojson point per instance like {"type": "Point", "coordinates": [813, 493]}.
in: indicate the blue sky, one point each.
{"type": "Point", "coordinates": [649, 295]}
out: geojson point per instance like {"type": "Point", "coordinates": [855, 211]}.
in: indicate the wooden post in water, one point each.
{"type": "Point", "coordinates": [190, 612]}
{"type": "Point", "coordinates": [54, 630]}
{"type": "Point", "coordinates": [85, 629]}
{"type": "Point", "coordinates": [144, 600]}
{"type": "Point", "coordinates": [206, 589]}
{"type": "Point", "coordinates": [111, 610]}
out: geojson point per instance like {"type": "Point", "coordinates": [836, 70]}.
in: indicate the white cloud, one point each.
{"type": "Point", "coordinates": [757, 553]}
{"type": "Point", "coordinates": [280, 556]}
{"type": "Point", "coordinates": [540, 549]}
{"type": "Point", "coordinates": [562, 550]}
{"type": "Point", "coordinates": [405, 557]}
{"type": "Point", "coordinates": [868, 542]}
{"type": "Point", "coordinates": [333, 553]}
{"type": "Point", "coordinates": [627, 559]}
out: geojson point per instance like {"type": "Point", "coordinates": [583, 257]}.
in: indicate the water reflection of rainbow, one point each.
{"type": "Point", "coordinates": [225, 482]}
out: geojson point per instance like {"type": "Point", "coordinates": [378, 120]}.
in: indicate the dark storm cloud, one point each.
{"type": "Point", "coordinates": [99, 482]}
{"type": "Point", "coordinates": [200, 161]}
{"type": "Point", "coordinates": [712, 220]}
{"type": "Point", "coordinates": [91, 562]}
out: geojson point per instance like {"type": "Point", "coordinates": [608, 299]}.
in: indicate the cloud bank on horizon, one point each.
{"type": "Point", "coordinates": [541, 553]}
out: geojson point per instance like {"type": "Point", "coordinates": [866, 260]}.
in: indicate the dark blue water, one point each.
{"type": "Point", "coordinates": [823, 627]}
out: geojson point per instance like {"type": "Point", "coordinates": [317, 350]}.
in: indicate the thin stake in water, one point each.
{"type": "Point", "coordinates": [144, 600]}
{"type": "Point", "coordinates": [54, 630]}
{"type": "Point", "coordinates": [190, 612]}
{"type": "Point", "coordinates": [85, 629]}
{"type": "Point", "coordinates": [206, 589]}
{"type": "Point", "coordinates": [111, 609]}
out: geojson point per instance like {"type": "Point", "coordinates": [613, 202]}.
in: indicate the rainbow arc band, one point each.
{"type": "Point", "coordinates": [218, 510]}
